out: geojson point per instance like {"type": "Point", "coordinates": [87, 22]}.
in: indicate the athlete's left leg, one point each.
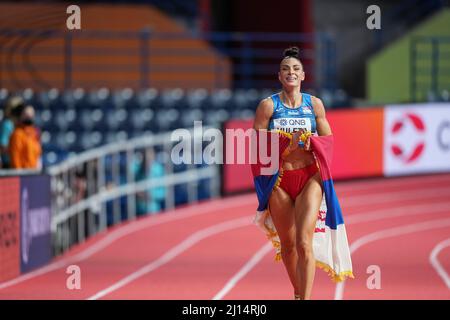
{"type": "Point", "coordinates": [307, 205]}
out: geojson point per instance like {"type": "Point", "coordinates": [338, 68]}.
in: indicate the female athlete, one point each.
{"type": "Point", "coordinates": [294, 203]}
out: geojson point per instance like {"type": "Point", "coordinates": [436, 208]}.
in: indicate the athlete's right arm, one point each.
{"type": "Point", "coordinates": [263, 114]}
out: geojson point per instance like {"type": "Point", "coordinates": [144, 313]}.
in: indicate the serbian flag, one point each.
{"type": "Point", "coordinates": [330, 244]}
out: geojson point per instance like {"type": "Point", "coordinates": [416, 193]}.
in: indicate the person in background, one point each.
{"type": "Point", "coordinates": [156, 195]}
{"type": "Point", "coordinates": [139, 170]}
{"type": "Point", "coordinates": [146, 167]}
{"type": "Point", "coordinates": [24, 146]}
{"type": "Point", "coordinates": [6, 129]}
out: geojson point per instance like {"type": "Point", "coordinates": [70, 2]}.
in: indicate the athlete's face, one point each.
{"type": "Point", "coordinates": [291, 72]}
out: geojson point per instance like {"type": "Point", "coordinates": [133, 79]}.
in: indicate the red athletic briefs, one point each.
{"type": "Point", "coordinates": [293, 181]}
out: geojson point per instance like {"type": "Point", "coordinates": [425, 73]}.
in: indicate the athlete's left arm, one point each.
{"type": "Point", "coordinates": [322, 125]}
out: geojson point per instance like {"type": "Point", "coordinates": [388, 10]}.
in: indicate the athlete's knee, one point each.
{"type": "Point", "coordinates": [304, 248]}
{"type": "Point", "coordinates": [288, 247]}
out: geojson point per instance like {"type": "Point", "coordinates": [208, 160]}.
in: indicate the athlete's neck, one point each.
{"type": "Point", "coordinates": [291, 98]}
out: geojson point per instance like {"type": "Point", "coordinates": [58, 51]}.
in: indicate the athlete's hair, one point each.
{"type": "Point", "coordinates": [292, 52]}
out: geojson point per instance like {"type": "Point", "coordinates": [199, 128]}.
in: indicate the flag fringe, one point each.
{"type": "Point", "coordinates": [335, 277]}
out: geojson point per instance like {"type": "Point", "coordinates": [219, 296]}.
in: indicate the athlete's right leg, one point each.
{"type": "Point", "coordinates": [282, 213]}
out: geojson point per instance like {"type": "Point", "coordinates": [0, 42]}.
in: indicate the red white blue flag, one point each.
{"type": "Point", "coordinates": [330, 244]}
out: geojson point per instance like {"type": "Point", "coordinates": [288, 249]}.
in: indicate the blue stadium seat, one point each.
{"type": "Point", "coordinates": [91, 139]}
{"type": "Point", "coordinates": [4, 95]}
{"type": "Point", "coordinates": [65, 118]}
{"type": "Point", "coordinates": [50, 99]}
{"type": "Point", "coordinates": [31, 98]}
{"type": "Point", "coordinates": [66, 140]}
{"type": "Point", "coordinates": [215, 117]}
{"type": "Point", "coordinates": [189, 116]}
{"type": "Point", "coordinates": [140, 119]}
{"type": "Point", "coordinates": [243, 114]}
{"type": "Point", "coordinates": [116, 119]}
{"type": "Point", "coordinates": [46, 137]}
{"type": "Point", "coordinates": [221, 98]}
{"type": "Point", "coordinates": [46, 121]}
{"type": "Point", "coordinates": [52, 155]}
{"type": "Point", "coordinates": [149, 98]}
{"type": "Point", "coordinates": [165, 118]}
{"type": "Point", "coordinates": [173, 97]}
{"type": "Point", "coordinates": [101, 98]}
{"type": "Point", "coordinates": [116, 136]}
{"type": "Point", "coordinates": [90, 119]}
{"type": "Point", "coordinates": [197, 98]}
{"type": "Point", "coordinates": [125, 98]}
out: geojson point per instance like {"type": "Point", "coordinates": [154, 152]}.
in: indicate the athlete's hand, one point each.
{"type": "Point", "coordinates": [295, 139]}
{"type": "Point", "coordinates": [297, 136]}
{"type": "Point", "coordinates": [308, 144]}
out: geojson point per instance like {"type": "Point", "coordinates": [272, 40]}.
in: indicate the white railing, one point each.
{"type": "Point", "coordinates": [84, 185]}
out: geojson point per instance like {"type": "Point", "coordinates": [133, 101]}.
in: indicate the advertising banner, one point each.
{"type": "Point", "coordinates": [358, 142]}
{"type": "Point", "coordinates": [9, 228]}
{"type": "Point", "coordinates": [417, 139]}
{"type": "Point", "coordinates": [35, 245]}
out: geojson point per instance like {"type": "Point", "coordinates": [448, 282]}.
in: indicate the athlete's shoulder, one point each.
{"type": "Point", "coordinates": [263, 113]}
{"type": "Point", "coordinates": [266, 106]}
{"type": "Point", "coordinates": [319, 108]}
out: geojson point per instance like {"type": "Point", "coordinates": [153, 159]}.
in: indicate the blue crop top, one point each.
{"type": "Point", "coordinates": [293, 119]}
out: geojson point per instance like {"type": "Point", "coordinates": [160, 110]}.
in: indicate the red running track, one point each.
{"type": "Point", "coordinates": [213, 251]}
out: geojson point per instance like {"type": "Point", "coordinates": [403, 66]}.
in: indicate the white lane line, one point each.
{"type": "Point", "coordinates": [130, 228]}
{"type": "Point", "coordinates": [175, 251]}
{"type": "Point", "coordinates": [396, 182]}
{"type": "Point", "coordinates": [244, 270]}
{"type": "Point", "coordinates": [388, 233]}
{"type": "Point", "coordinates": [373, 215]}
{"type": "Point", "coordinates": [437, 265]}
{"type": "Point", "coordinates": [397, 196]}
{"type": "Point", "coordinates": [404, 210]}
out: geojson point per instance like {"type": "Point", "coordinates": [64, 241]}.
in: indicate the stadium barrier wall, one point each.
{"type": "Point", "coordinates": [109, 185]}
{"type": "Point", "coordinates": [25, 239]}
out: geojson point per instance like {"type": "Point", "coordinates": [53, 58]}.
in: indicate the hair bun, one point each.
{"type": "Point", "coordinates": [291, 52]}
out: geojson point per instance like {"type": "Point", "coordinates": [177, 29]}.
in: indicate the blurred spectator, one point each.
{"type": "Point", "coordinates": [139, 171]}
{"type": "Point", "coordinates": [147, 167]}
{"type": "Point", "coordinates": [24, 146]}
{"type": "Point", "coordinates": [7, 128]}
{"type": "Point", "coordinates": [80, 185]}
{"type": "Point", "coordinates": [157, 194]}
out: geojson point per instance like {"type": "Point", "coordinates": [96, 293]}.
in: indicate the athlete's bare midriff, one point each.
{"type": "Point", "coordinates": [299, 158]}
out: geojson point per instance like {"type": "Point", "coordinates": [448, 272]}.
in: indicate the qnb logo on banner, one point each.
{"type": "Point", "coordinates": [35, 223]}
{"type": "Point", "coordinates": [416, 139]}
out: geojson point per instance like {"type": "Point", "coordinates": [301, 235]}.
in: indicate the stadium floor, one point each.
{"type": "Point", "coordinates": [213, 251]}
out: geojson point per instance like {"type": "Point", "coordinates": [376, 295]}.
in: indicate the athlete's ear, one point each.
{"type": "Point", "coordinates": [279, 76]}
{"type": "Point", "coordinates": [303, 75]}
